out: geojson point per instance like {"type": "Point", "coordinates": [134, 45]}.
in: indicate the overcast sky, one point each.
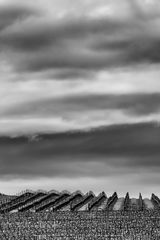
{"type": "Point", "coordinates": [77, 65]}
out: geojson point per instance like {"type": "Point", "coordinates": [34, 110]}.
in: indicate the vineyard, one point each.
{"type": "Point", "coordinates": [65, 215]}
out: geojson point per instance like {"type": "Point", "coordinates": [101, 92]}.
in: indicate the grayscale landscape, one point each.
{"type": "Point", "coordinates": [80, 119]}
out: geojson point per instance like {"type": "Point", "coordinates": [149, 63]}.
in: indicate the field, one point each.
{"type": "Point", "coordinates": [81, 225]}
{"type": "Point", "coordinates": [75, 216]}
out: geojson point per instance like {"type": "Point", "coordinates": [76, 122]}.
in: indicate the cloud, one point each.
{"type": "Point", "coordinates": [131, 104]}
{"type": "Point", "coordinates": [112, 159]}
{"type": "Point", "coordinates": [41, 109]}
{"type": "Point", "coordinates": [83, 42]}
{"type": "Point", "coordinates": [12, 13]}
{"type": "Point", "coordinates": [105, 151]}
{"type": "Point", "coordinates": [77, 65]}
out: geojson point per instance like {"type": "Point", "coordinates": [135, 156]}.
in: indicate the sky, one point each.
{"type": "Point", "coordinates": [80, 95]}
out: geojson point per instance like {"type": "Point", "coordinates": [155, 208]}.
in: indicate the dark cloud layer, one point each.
{"type": "Point", "coordinates": [10, 14]}
{"type": "Point", "coordinates": [127, 147]}
{"type": "Point", "coordinates": [133, 104]}
{"type": "Point", "coordinates": [43, 43]}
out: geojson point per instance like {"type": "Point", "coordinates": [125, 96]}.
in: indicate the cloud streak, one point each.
{"type": "Point", "coordinates": [82, 111]}
{"type": "Point", "coordinates": [134, 104]}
